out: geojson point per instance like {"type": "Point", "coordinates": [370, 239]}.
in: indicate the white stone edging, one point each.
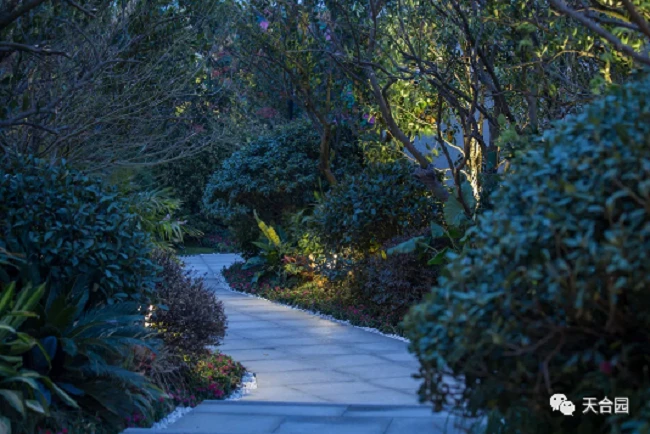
{"type": "Point", "coordinates": [248, 383]}
{"type": "Point", "coordinates": [222, 280]}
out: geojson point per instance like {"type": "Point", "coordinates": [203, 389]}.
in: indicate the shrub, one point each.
{"type": "Point", "coordinates": [276, 175]}
{"type": "Point", "coordinates": [272, 175]}
{"type": "Point", "coordinates": [192, 317]}
{"type": "Point", "coordinates": [156, 211]}
{"type": "Point", "coordinates": [87, 353]}
{"type": "Point", "coordinates": [381, 202]}
{"type": "Point", "coordinates": [215, 376]}
{"type": "Point", "coordinates": [551, 293]}
{"type": "Point", "coordinates": [188, 178]}
{"type": "Point", "coordinates": [66, 225]}
{"type": "Point", "coordinates": [396, 281]}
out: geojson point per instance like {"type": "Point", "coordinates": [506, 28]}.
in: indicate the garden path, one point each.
{"type": "Point", "coordinates": [313, 375]}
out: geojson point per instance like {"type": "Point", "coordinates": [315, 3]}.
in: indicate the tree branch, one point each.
{"type": "Point", "coordinates": [618, 45]}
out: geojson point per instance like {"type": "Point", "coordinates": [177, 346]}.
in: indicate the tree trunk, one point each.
{"type": "Point", "coordinates": [324, 161]}
{"type": "Point", "coordinates": [425, 173]}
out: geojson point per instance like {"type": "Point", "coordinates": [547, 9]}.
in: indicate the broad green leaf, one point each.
{"type": "Point", "coordinates": [15, 399]}
{"type": "Point", "coordinates": [35, 406]}
{"type": "Point", "coordinates": [437, 231]}
{"type": "Point", "coordinates": [406, 247]}
{"type": "Point", "coordinates": [439, 258]}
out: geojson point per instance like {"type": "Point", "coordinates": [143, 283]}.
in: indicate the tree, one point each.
{"type": "Point", "coordinates": [436, 66]}
{"type": "Point", "coordinates": [110, 83]}
{"type": "Point", "coordinates": [280, 43]}
{"type": "Point", "coordinates": [624, 25]}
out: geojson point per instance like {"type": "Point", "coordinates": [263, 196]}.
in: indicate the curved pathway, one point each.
{"type": "Point", "coordinates": [300, 357]}
{"type": "Point", "coordinates": [313, 375]}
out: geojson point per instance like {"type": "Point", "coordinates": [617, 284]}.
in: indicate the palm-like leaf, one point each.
{"type": "Point", "coordinates": [93, 350]}
{"type": "Point", "coordinates": [23, 392]}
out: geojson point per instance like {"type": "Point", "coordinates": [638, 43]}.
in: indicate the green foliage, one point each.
{"type": "Point", "coordinates": [274, 175]}
{"type": "Point", "coordinates": [156, 212]}
{"type": "Point", "coordinates": [366, 209]}
{"type": "Point", "coordinates": [215, 375]}
{"type": "Point", "coordinates": [189, 316]}
{"type": "Point", "coordinates": [551, 292]}
{"type": "Point", "coordinates": [275, 257]}
{"type": "Point", "coordinates": [188, 178]}
{"type": "Point", "coordinates": [65, 224]}
{"type": "Point", "coordinates": [396, 280]}
{"type": "Point", "coordinates": [25, 394]}
{"type": "Point", "coordinates": [87, 353]}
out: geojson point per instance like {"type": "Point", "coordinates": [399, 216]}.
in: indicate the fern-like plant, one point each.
{"type": "Point", "coordinates": [271, 254]}
{"type": "Point", "coordinates": [157, 212]}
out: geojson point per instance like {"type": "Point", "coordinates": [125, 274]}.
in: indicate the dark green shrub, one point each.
{"type": "Point", "coordinates": [192, 317]}
{"type": "Point", "coordinates": [274, 175]}
{"type": "Point", "coordinates": [552, 292]}
{"type": "Point", "coordinates": [396, 281]}
{"type": "Point", "coordinates": [66, 225]}
{"type": "Point", "coordinates": [381, 202]}
{"type": "Point", "coordinates": [188, 178]}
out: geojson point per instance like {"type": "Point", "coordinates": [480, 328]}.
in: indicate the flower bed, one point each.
{"type": "Point", "coordinates": [319, 296]}
{"type": "Point", "coordinates": [214, 376]}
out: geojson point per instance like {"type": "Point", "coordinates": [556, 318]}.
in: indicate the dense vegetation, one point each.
{"type": "Point", "coordinates": [486, 159]}
{"type": "Point", "coordinates": [542, 280]}
{"type": "Point", "coordinates": [91, 311]}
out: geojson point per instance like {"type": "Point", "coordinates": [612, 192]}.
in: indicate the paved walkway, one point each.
{"type": "Point", "coordinates": [228, 417]}
{"type": "Point", "coordinates": [314, 375]}
{"type": "Point", "coordinates": [299, 357]}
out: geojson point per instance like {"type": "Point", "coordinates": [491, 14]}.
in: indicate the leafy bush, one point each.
{"type": "Point", "coordinates": [156, 211]}
{"type": "Point", "coordinates": [66, 225]}
{"type": "Point", "coordinates": [276, 175]}
{"type": "Point", "coordinates": [188, 178]}
{"type": "Point", "coordinates": [273, 175]}
{"type": "Point", "coordinates": [215, 376]}
{"type": "Point", "coordinates": [397, 280]}
{"type": "Point", "coordinates": [381, 202]}
{"type": "Point", "coordinates": [191, 317]}
{"type": "Point", "coordinates": [551, 293]}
